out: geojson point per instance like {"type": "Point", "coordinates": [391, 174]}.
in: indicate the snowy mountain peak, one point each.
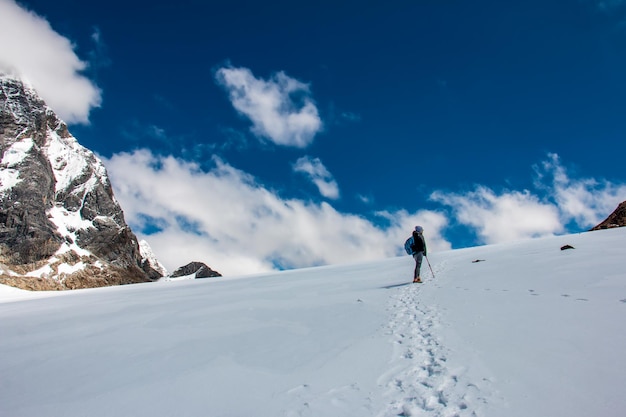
{"type": "Point", "coordinates": [150, 259]}
{"type": "Point", "coordinates": [59, 220]}
{"type": "Point", "coordinates": [22, 101]}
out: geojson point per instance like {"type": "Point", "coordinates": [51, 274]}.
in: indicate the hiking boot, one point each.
{"type": "Point", "coordinates": [418, 279]}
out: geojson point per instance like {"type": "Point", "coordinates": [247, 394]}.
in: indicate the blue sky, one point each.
{"type": "Point", "coordinates": [322, 132]}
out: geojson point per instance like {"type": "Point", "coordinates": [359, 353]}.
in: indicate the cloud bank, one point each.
{"type": "Point", "coordinates": [32, 50]}
{"type": "Point", "coordinates": [281, 109]}
{"type": "Point", "coordinates": [315, 170]}
{"type": "Point", "coordinates": [505, 217]}
{"type": "Point", "coordinates": [583, 201]}
{"type": "Point", "coordinates": [229, 220]}
{"type": "Point", "coordinates": [225, 218]}
{"type": "Point", "coordinates": [558, 201]}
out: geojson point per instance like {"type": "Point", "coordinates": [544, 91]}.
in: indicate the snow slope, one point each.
{"type": "Point", "coordinates": [530, 331]}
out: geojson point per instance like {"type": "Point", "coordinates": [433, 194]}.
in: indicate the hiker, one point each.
{"type": "Point", "coordinates": [419, 251]}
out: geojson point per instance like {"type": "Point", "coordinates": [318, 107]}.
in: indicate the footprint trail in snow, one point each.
{"type": "Point", "coordinates": [420, 382]}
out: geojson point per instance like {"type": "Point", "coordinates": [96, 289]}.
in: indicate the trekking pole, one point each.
{"type": "Point", "coordinates": [431, 268]}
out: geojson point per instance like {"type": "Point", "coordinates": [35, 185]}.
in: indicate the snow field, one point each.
{"type": "Point", "coordinates": [420, 381]}
{"type": "Point", "coordinates": [529, 331]}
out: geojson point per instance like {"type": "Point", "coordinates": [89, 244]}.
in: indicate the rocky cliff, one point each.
{"type": "Point", "coordinates": [60, 225]}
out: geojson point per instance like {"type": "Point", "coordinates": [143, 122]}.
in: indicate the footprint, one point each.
{"type": "Point", "coordinates": [582, 299]}
{"type": "Point", "coordinates": [421, 380]}
{"type": "Point", "coordinates": [623, 301]}
{"type": "Point", "coordinates": [565, 295]}
{"type": "Point", "coordinates": [298, 389]}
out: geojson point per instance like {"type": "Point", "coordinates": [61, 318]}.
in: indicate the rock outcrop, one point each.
{"type": "Point", "coordinates": [198, 269]}
{"type": "Point", "coordinates": [60, 225]}
{"type": "Point", "coordinates": [615, 219]}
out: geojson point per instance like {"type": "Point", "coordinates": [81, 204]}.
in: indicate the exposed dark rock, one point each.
{"type": "Point", "coordinates": [200, 270]}
{"type": "Point", "coordinates": [615, 219]}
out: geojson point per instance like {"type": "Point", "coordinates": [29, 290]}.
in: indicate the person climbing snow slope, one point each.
{"type": "Point", "coordinates": [419, 251]}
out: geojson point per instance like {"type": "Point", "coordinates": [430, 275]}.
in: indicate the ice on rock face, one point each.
{"type": "Point", "coordinates": [9, 178]}
{"type": "Point", "coordinates": [16, 153]}
{"type": "Point", "coordinates": [67, 164]}
{"type": "Point", "coordinates": [12, 157]}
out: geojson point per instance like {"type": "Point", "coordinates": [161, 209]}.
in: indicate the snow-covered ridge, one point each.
{"type": "Point", "coordinates": [148, 255]}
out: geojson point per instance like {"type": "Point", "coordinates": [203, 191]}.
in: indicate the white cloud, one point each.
{"type": "Point", "coordinates": [225, 218]}
{"type": "Point", "coordinates": [586, 201]}
{"type": "Point", "coordinates": [500, 218]}
{"type": "Point", "coordinates": [514, 215]}
{"type": "Point", "coordinates": [402, 223]}
{"type": "Point", "coordinates": [319, 175]}
{"type": "Point", "coordinates": [32, 50]}
{"type": "Point", "coordinates": [280, 109]}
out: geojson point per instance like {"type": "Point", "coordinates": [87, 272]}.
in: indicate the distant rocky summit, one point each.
{"type": "Point", "coordinates": [60, 225]}
{"type": "Point", "coordinates": [149, 262]}
{"type": "Point", "coordinates": [199, 269]}
{"type": "Point", "coordinates": [616, 219]}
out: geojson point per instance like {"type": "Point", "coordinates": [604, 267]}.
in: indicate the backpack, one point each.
{"type": "Point", "coordinates": [408, 245]}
